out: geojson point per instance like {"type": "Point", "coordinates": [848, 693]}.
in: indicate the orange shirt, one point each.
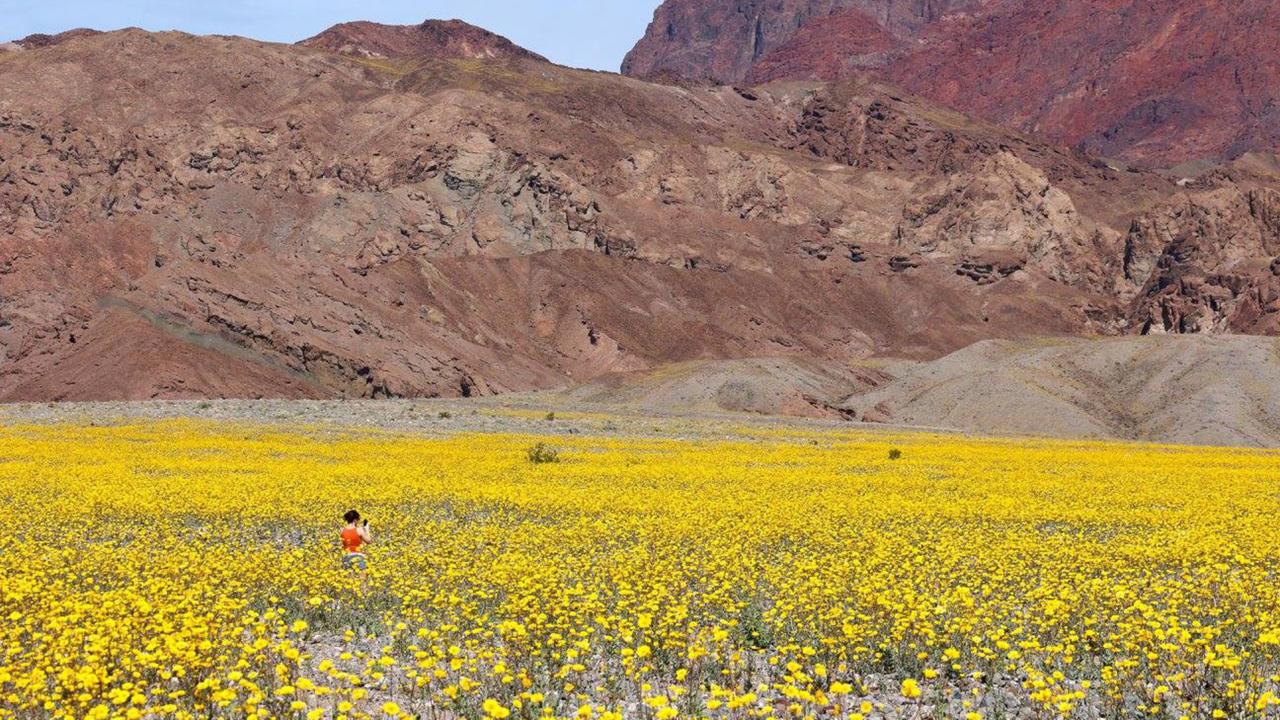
{"type": "Point", "coordinates": [351, 540]}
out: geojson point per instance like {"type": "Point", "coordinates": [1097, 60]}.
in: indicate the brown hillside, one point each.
{"type": "Point", "coordinates": [245, 218]}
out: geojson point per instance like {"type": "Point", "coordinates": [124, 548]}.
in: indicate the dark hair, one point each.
{"type": "Point", "coordinates": [351, 516]}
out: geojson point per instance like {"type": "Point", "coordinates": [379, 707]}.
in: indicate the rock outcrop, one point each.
{"type": "Point", "coordinates": [433, 38]}
{"type": "Point", "coordinates": [40, 40]}
{"type": "Point", "coordinates": [1210, 263]}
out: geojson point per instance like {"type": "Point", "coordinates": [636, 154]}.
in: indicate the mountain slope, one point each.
{"type": "Point", "coordinates": [721, 40]}
{"type": "Point", "coordinates": [829, 48]}
{"type": "Point", "coordinates": [1159, 83]}
{"type": "Point", "coordinates": [1196, 390]}
{"type": "Point", "coordinates": [219, 216]}
{"type": "Point", "coordinates": [1151, 83]}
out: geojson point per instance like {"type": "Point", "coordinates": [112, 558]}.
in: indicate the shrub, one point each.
{"type": "Point", "coordinates": [757, 633]}
{"type": "Point", "coordinates": [542, 454]}
{"type": "Point", "coordinates": [895, 454]}
{"type": "Point", "coordinates": [551, 416]}
{"type": "Point", "coordinates": [445, 414]}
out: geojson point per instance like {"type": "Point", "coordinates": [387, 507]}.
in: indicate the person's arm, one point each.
{"type": "Point", "coordinates": [365, 532]}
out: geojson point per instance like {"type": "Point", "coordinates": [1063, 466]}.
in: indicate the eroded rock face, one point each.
{"type": "Point", "coordinates": [178, 221]}
{"type": "Point", "coordinates": [722, 40]}
{"type": "Point", "coordinates": [829, 48]}
{"type": "Point", "coordinates": [1155, 84]}
{"type": "Point", "coordinates": [1207, 263]}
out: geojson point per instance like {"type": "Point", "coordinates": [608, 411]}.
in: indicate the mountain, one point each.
{"type": "Point", "coordinates": [1156, 84]}
{"type": "Point", "coordinates": [188, 216]}
{"type": "Point", "coordinates": [433, 38]}
{"type": "Point", "coordinates": [722, 40]}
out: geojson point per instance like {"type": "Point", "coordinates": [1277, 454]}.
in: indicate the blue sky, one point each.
{"type": "Point", "coordinates": [581, 33]}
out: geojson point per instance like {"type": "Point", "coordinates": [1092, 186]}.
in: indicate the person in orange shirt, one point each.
{"type": "Point", "coordinates": [354, 537]}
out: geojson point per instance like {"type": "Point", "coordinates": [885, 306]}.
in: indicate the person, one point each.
{"type": "Point", "coordinates": [354, 537]}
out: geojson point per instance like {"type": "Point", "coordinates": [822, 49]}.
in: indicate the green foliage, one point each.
{"type": "Point", "coordinates": [541, 454]}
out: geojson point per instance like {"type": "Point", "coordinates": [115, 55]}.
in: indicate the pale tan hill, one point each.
{"type": "Point", "coordinates": [1220, 390]}
{"type": "Point", "coordinates": [1206, 390]}
{"type": "Point", "coordinates": [765, 386]}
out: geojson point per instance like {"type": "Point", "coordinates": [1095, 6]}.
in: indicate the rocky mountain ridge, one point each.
{"type": "Point", "coordinates": [432, 38]}
{"type": "Point", "coordinates": [39, 40]}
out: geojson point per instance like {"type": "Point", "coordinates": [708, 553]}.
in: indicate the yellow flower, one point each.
{"type": "Point", "coordinates": [189, 553]}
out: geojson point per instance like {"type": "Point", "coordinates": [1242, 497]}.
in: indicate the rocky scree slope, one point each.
{"type": "Point", "coordinates": [207, 216]}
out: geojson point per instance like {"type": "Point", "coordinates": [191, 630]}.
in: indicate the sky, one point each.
{"type": "Point", "coordinates": [579, 33]}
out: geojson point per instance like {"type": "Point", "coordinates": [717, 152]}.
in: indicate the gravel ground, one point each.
{"type": "Point", "coordinates": [513, 414]}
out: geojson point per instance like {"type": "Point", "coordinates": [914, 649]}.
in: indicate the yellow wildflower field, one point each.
{"type": "Point", "coordinates": [189, 569]}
